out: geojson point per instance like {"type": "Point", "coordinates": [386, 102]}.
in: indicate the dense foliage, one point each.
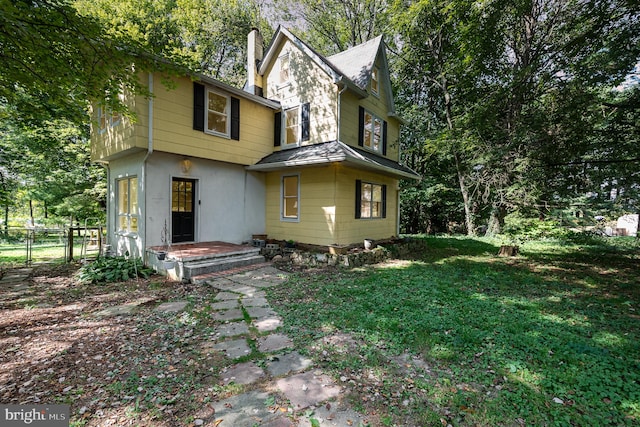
{"type": "Point", "coordinates": [525, 106]}
{"type": "Point", "coordinates": [113, 269]}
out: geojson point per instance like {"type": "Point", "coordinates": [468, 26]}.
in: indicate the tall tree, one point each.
{"type": "Point", "coordinates": [332, 26]}
{"type": "Point", "coordinates": [493, 67]}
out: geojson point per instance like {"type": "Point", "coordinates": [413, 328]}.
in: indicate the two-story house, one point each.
{"type": "Point", "coordinates": [308, 151]}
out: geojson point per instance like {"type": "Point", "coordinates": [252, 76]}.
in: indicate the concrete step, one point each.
{"type": "Point", "coordinates": [192, 269]}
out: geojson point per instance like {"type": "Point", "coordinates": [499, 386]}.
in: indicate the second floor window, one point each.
{"type": "Point", "coordinates": [292, 126]}
{"type": "Point", "coordinates": [372, 138]}
{"type": "Point", "coordinates": [372, 132]}
{"type": "Point", "coordinates": [217, 113]}
{"type": "Point", "coordinates": [107, 118]}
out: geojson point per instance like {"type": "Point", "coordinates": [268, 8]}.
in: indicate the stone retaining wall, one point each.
{"type": "Point", "coordinates": [356, 257]}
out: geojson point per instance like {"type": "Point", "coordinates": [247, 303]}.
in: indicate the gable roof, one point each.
{"type": "Point", "coordinates": [351, 68]}
{"type": "Point", "coordinates": [333, 152]}
{"type": "Point", "coordinates": [357, 62]}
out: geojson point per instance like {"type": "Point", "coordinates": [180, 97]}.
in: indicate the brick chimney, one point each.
{"type": "Point", "coordinates": [254, 56]}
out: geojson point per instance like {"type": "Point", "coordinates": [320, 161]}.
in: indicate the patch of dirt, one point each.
{"type": "Point", "coordinates": [145, 368]}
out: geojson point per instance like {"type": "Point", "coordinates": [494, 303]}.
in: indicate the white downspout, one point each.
{"type": "Point", "coordinates": [144, 161]}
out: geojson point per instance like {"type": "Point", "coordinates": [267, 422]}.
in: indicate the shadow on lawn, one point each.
{"type": "Point", "coordinates": [522, 331]}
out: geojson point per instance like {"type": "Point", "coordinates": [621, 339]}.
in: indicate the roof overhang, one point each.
{"type": "Point", "coordinates": [332, 152]}
{"type": "Point", "coordinates": [275, 105]}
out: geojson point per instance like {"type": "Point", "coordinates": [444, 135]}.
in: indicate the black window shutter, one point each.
{"type": "Point", "coordinates": [198, 106]}
{"type": "Point", "coordinates": [384, 138]}
{"type": "Point", "coordinates": [277, 129]}
{"type": "Point", "coordinates": [384, 201]}
{"type": "Point", "coordinates": [235, 118]}
{"type": "Point", "coordinates": [361, 126]}
{"type": "Point", "coordinates": [306, 112]}
{"type": "Point", "coordinates": [358, 198]}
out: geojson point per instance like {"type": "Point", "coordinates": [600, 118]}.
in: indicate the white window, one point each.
{"type": "Point", "coordinates": [284, 69]}
{"type": "Point", "coordinates": [290, 197]}
{"type": "Point", "coordinates": [374, 81]}
{"type": "Point", "coordinates": [128, 204]}
{"type": "Point", "coordinates": [217, 117]}
{"type": "Point", "coordinates": [372, 132]}
{"type": "Point", "coordinates": [292, 126]}
{"type": "Point", "coordinates": [107, 118]}
{"type": "Point", "coordinates": [371, 200]}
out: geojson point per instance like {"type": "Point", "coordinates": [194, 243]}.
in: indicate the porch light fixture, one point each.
{"type": "Point", "coordinates": [185, 165]}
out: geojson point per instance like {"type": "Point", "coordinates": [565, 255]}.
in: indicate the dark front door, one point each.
{"type": "Point", "coordinates": [183, 196]}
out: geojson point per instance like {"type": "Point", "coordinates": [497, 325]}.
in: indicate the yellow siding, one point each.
{"type": "Point", "coordinates": [352, 230]}
{"type": "Point", "coordinates": [174, 133]}
{"type": "Point", "coordinates": [125, 137]}
{"type": "Point", "coordinates": [307, 83]}
{"type": "Point", "coordinates": [349, 123]}
{"type": "Point", "coordinates": [327, 207]}
{"type": "Point", "coordinates": [173, 129]}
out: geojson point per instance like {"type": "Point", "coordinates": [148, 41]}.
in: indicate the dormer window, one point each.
{"type": "Point", "coordinates": [284, 69]}
{"type": "Point", "coordinates": [375, 82]}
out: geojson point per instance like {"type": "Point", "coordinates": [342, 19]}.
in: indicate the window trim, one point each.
{"type": "Point", "coordinates": [383, 202]}
{"type": "Point", "coordinates": [109, 120]}
{"type": "Point", "coordinates": [128, 215]}
{"type": "Point", "coordinates": [375, 71]}
{"type": "Point", "coordinates": [227, 108]}
{"type": "Point", "coordinates": [298, 125]}
{"type": "Point", "coordinates": [284, 218]}
{"type": "Point", "coordinates": [372, 131]}
{"type": "Point", "coordinates": [281, 60]}
{"type": "Point", "coordinates": [382, 145]}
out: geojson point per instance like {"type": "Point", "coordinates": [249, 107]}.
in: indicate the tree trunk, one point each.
{"type": "Point", "coordinates": [469, 221]}
{"type": "Point", "coordinates": [496, 221]}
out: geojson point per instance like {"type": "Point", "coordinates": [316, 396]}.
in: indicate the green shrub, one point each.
{"type": "Point", "coordinates": [113, 269]}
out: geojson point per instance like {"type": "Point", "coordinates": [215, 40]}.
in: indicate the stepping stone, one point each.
{"type": "Point", "coordinates": [224, 315]}
{"type": "Point", "coordinates": [172, 307]}
{"type": "Point", "coordinates": [337, 414]}
{"type": "Point", "coordinates": [232, 329]}
{"type": "Point", "coordinates": [307, 389]}
{"type": "Point", "coordinates": [226, 304]}
{"type": "Point", "coordinates": [118, 310]}
{"type": "Point", "coordinates": [255, 302]}
{"type": "Point", "coordinates": [124, 309]}
{"type": "Point", "coordinates": [233, 349]}
{"type": "Point", "coordinates": [268, 324]}
{"type": "Point", "coordinates": [260, 312]}
{"type": "Point", "coordinates": [248, 410]}
{"type": "Point", "coordinates": [274, 342]}
{"type": "Point", "coordinates": [221, 283]}
{"type": "Point", "coordinates": [243, 373]}
{"type": "Point", "coordinates": [288, 363]}
{"type": "Point", "coordinates": [225, 296]}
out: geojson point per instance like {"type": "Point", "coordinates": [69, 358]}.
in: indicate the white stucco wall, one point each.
{"type": "Point", "coordinates": [230, 201]}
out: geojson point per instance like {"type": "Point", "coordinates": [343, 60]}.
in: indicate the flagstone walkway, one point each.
{"type": "Point", "coordinates": [279, 387]}
{"type": "Point", "coordinates": [288, 386]}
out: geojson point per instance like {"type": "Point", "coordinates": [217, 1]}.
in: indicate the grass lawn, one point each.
{"type": "Point", "coordinates": [462, 337]}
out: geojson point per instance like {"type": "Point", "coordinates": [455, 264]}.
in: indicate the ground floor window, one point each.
{"type": "Point", "coordinates": [371, 200]}
{"type": "Point", "coordinates": [128, 204]}
{"type": "Point", "coordinates": [290, 197]}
